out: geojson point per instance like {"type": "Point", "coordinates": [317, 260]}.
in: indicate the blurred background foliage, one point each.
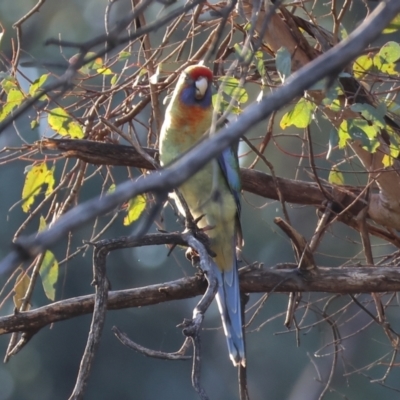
{"type": "Point", "coordinates": [279, 367]}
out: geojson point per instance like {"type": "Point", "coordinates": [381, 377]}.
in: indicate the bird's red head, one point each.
{"type": "Point", "coordinates": [196, 71]}
{"type": "Point", "coordinates": [194, 87]}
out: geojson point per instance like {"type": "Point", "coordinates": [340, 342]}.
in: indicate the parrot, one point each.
{"type": "Point", "coordinates": [212, 194]}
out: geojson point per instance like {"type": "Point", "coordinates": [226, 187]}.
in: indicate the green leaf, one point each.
{"type": "Point", "coordinates": [230, 86]}
{"type": "Point", "coordinates": [244, 54]}
{"type": "Point", "coordinates": [335, 176]}
{"type": "Point", "coordinates": [49, 268]}
{"type": "Point", "coordinates": [394, 25]}
{"type": "Point", "coordinates": [300, 116]}
{"type": "Point", "coordinates": [370, 113]}
{"type": "Point", "coordinates": [114, 79]}
{"type": "Point", "coordinates": [135, 208]}
{"type": "Point", "coordinates": [259, 61]}
{"type": "Point", "coordinates": [34, 124]}
{"type": "Point", "coordinates": [63, 124]}
{"type": "Point", "coordinates": [331, 97]}
{"type": "Point", "coordinates": [343, 32]}
{"type": "Point", "coordinates": [123, 55]}
{"type": "Point", "coordinates": [283, 62]}
{"type": "Point", "coordinates": [37, 176]}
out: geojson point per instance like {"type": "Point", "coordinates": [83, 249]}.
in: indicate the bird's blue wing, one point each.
{"type": "Point", "coordinates": [229, 164]}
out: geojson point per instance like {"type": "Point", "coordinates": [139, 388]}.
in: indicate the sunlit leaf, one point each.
{"type": "Point", "coordinates": [300, 116]}
{"type": "Point", "coordinates": [344, 135]}
{"type": "Point", "coordinates": [104, 71]}
{"type": "Point", "coordinates": [85, 69]}
{"type": "Point", "coordinates": [63, 124]}
{"type": "Point", "coordinates": [359, 124]}
{"type": "Point", "coordinates": [20, 288]}
{"type": "Point", "coordinates": [135, 208]}
{"type": "Point", "coordinates": [49, 268]}
{"type": "Point", "coordinates": [361, 130]}
{"type": "Point", "coordinates": [14, 98]}
{"type": "Point", "coordinates": [335, 176]}
{"type": "Point", "coordinates": [37, 85]}
{"type": "Point", "coordinates": [283, 62]}
{"type": "Point", "coordinates": [362, 65]}
{"type": "Point", "coordinates": [394, 25]}
{"type": "Point", "coordinates": [390, 52]}
{"type": "Point", "coordinates": [75, 130]}
{"type": "Point", "coordinates": [386, 58]}
{"type": "Point", "coordinates": [8, 83]}
{"type": "Point", "coordinates": [58, 120]}
{"type": "Point", "coordinates": [37, 176]}
{"type": "Point", "coordinates": [388, 159]}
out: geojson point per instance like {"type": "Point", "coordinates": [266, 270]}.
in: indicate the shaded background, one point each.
{"type": "Point", "coordinates": [277, 368]}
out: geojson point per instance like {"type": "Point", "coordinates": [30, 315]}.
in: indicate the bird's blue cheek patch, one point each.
{"type": "Point", "coordinates": [188, 97]}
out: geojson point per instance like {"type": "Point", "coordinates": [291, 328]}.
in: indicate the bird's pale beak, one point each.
{"type": "Point", "coordinates": [201, 87]}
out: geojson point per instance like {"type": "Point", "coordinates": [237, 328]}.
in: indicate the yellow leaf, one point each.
{"type": "Point", "coordinates": [336, 177]}
{"type": "Point", "coordinates": [362, 65]}
{"type": "Point", "coordinates": [104, 71]}
{"type": "Point", "coordinates": [37, 176]}
{"type": "Point", "coordinates": [135, 209]}
{"type": "Point", "coordinates": [300, 116]}
{"type": "Point", "coordinates": [37, 85]}
{"type": "Point", "coordinates": [14, 98]}
{"type": "Point", "coordinates": [20, 288]}
{"type": "Point", "coordinates": [344, 135]}
{"type": "Point", "coordinates": [63, 124]}
{"type": "Point", "coordinates": [394, 26]}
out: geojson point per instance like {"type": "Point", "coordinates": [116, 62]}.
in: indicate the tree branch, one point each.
{"type": "Point", "coordinates": [282, 279]}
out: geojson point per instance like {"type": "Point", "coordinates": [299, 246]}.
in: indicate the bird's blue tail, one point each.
{"type": "Point", "coordinates": [228, 299]}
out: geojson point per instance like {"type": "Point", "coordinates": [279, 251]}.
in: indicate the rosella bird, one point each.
{"type": "Point", "coordinates": [212, 192]}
